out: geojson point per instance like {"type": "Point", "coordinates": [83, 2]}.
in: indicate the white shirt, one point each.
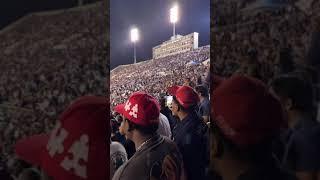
{"type": "Point", "coordinates": [118, 156]}
{"type": "Point", "coordinates": [164, 126]}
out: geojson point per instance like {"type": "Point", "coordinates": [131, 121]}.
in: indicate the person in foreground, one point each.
{"type": "Point", "coordinates": [190, 133]}
{"type": "Point", "coordinates": [301, 140]}
{"type": "Point", "coordinates": [246, 121]}
{"type": "Point", "coordinates": [156, 157]}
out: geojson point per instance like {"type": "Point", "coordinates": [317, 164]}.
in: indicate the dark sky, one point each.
{"type": "Point", "coordinates": [152, 19]}
{"type": "Point", "coordinates": [11, 10]}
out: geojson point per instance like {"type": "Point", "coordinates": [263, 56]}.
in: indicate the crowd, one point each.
{"type": "Point", "coordinates": [263, 110]}
{"type": "Point", "coordinates": [285, 34]}
{"type": "Point", "coordinates": [47, 60]}
{"type": "Point", "coordinates": [263, 106]}
{"type": "Point", "coordinates": [269, 64]}
{"type": "Point", "coordinates": [138, 138]}
{"type": "Point", "coordinates": [156, 75]}
{"type": "Point", "coordinates": [160, 109]}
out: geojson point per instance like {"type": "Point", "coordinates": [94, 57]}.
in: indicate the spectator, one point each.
{"type": "Point", "coordinates": [247, 119]}
{"type": "Point", "coordinates": [158, 74]}
{"type": "Point", "coordinates": [302, 139]}
{"type": "Point", "coordinates": [164, 109]}
{"type": "Point", "coordinates": [190, 133]}
{"type": "Point", "coordinates": [164, 126]}
{"type": "Point", "coordinates": [47, 65]}
{"type": "Point", "coordinates": [158, 155]}
{"type": "Point", "coordinates": [118, 156]}
{"type": "Point", "coordinates": [204, 106]}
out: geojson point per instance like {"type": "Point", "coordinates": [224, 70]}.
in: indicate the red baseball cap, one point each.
{"type": "Point", "coordinates": [246, 112]}
{"type": "Point", "coordinates": [77, 148]}
{"type": "Point", "coordinates": [141, 108]}
{"type": "Point", "coordinates": [185, 95]}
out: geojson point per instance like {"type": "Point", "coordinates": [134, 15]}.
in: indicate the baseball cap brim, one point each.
{"type": "Point", "coordinates": [173, 90]}
{"type": "Point", "coordinates": [120, 109]}
{"type": "Point", "coordinates": [30, 149]}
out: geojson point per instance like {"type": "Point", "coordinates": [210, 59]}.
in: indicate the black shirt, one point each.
{"type": "Point", "coordinates": [190, 135]}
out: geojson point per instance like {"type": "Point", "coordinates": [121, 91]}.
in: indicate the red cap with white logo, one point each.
{"type": "Point", "coordinates": [141, 108]}
{"type": "Point", "coordinates": [77, 148]}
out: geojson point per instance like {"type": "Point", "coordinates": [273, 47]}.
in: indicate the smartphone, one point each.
{"type": "Point", "coordinates": [169, 101]}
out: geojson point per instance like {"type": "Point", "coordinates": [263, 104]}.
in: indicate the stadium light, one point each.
{"type": "Point", "coordinates": [174, 18]}
{"type": "Point", "coordinates": [134, 38]}
{"type": "Point", "coordinates": [134, 35]}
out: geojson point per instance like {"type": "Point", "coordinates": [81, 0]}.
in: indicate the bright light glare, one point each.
{"type": "Point", "coordinates": [134, 35]}
{"type": "Point", "coordinates": [174, 14]}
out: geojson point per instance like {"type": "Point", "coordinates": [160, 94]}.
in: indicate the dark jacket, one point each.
{"type": "Point", "coordinates": [302, 147]}
{"type": "Point", "coordinates": [190, 135]}
{"type": "Point", "coordinates": [159, 159]}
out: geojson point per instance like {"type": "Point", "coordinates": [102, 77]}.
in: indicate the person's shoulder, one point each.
{"type": "Point", "coordinates": [168, 141]}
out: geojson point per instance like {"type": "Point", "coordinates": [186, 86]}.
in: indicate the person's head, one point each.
{"type": "Point", "coordinates": [202, 91]}
{"type": "Point", "coordinates": [114, 124]}
{"type": "Point", "coordinates": [141, 115]}
{"type": "Point", "coordinates": [294, 93]}
{"type": "Point", "coordinates": [187, 82]}
{"type": "Point", "coordinates": [185, 100]}
{"type": "Point", "coordinates": [246, 118]}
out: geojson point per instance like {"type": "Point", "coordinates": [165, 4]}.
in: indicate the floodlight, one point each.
{"type": "Point", "coordinates": [134, 35]}
{"type": "Point", "coordinates": [174, 14]}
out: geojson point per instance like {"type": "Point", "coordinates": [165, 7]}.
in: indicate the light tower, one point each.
{"type": "Point", "coordinates": [134, 38]}
{"type": "Point", "coordinates": [174, 18]}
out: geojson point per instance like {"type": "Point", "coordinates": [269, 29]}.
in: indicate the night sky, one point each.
{"type": "Point", "coordinates": [152, 19]}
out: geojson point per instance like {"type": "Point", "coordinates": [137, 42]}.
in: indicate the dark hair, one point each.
{"type": "Point", "coordinates": [145, 130]}
{"type": "Point", "coordinates": [114, 126]}
{"type": "Point", "coordinates": [162, 102]}
{"type": "Point", "coordinates": [203, 90]}
{"type": "Point", "coordinates": [296, 89]}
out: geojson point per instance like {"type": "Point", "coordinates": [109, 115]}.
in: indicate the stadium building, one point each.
{"type": "Point", "coordinates": [176, 45]}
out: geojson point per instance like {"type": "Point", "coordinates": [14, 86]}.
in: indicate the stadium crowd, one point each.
{"type": "Point", "coordinates": [47, 61]}
{"type": "Point", "coordinates": [285, 33]}
{"type": "Point", "coordinates": [156, 75]}
{"type": "Point", "coordinates": [263, 110]}
{"type": "Point", "coordinates": [268, 48]}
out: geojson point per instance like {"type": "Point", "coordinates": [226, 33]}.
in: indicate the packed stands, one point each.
{"type": "Point", "coordinates": [155, 76]}
{"type": "Point", "coordinates": [47, 60]}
